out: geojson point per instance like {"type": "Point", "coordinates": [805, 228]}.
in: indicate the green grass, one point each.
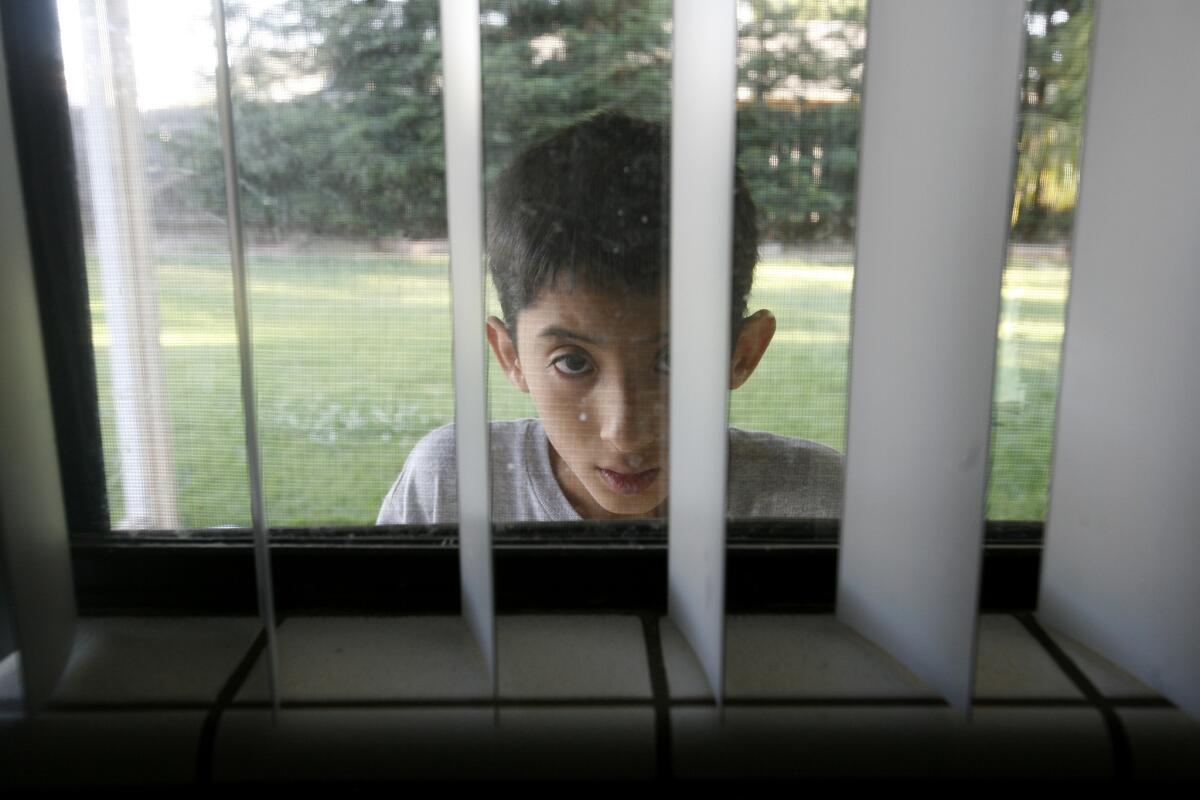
{"type": "Point", "coordinates": [352, 363]}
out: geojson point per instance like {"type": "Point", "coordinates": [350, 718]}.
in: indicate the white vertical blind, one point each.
{"type": "Point", "coordinates": [703, 124]}
{"type": "Point", "coordinates": [33, 524]}
{"type": "Point", "coordinates": [1122, 551]}
{"type": "Point", "coordinates": [464, 192]}
{"type": "Point", "coordinates": [241, 308]}
{"type": "Point", "coordinates": [935, 192]}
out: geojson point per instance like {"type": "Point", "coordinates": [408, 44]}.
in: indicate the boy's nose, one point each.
{"type": "Point", "coordinates": [633, 417]}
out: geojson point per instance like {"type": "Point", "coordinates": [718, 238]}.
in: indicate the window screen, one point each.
{"type": "Point", "coordinates": [338, 120]}
{"type": "Point", "coordinates": [1037, 272]}
{"type": "Point", "coordinates": [338, 116]}
{"type": "Point", "coordinates": [337, 113]}
{"type": "Point", "coordinates": [140, 80]}
{"type": "Point", "coordinates": [576, 100]}
{"type": "Point", "coordinates": [800, 69]}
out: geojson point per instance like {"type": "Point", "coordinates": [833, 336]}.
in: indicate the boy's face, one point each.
{"type": "Point", "coordinates": [596, 367]}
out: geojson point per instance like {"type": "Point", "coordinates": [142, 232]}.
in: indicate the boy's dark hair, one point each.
{"type": "Point", "coordinates": [591, 204]}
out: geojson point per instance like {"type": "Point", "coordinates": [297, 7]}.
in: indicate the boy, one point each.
{"type": "Point", "coordinates": [577, 233]}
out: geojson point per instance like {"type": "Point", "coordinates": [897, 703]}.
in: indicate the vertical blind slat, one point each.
{"type": "Point", "coordinates": [463, 99]}
{"type": "Point", "coordinates": [241, 308]}
{"type": "Point", "coordinates": [33, 524]}
{"type": "Point", "coordinates": [703, 120]}
{"type": "Point", "coordinates": [934, 199]}
{"type": "Point", "coordinates": [1119, 572]}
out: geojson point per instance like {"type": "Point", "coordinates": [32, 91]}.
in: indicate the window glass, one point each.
{"type": "Point", "coordinates": [1037, 272]}
{"type": "Point", "coordinates": [140, 82]}
{"type": "Point", "coordinates": [800, 71]}
{"type": "Point", "coordinates": [576, 105]}
{"type": "Point", "coordinates": [338, 116]}
{"type": "Point", "coordinates": [338, 113]}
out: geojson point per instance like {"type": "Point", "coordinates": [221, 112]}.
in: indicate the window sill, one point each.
{"type": "Point", "coordinates": [388, 698]}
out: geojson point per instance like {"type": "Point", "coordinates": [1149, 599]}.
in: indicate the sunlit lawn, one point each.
{"type": "Point", "coordinates": [352, 362]}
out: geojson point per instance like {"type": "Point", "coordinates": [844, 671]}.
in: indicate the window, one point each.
{"type": "Point", "coordinates": [349, 299]}
{"type": "Point", "coordinates": [339, 145]}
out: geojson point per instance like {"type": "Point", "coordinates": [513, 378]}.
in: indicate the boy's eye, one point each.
{"type": "Point", "coordinates": [572, 365]}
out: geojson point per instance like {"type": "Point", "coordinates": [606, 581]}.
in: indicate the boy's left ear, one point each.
{"type": "Point", "coordinates": [756, 333]}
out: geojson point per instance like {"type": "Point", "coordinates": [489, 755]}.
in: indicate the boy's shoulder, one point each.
{"type": "Point", "coordinates": [436, 452]}
{"type": "Point", "coordinates": [763, 445]}
{"type": "Point", "coordinates": [771, 475]}
{"type": "Point", "coordinates": [426, 492]}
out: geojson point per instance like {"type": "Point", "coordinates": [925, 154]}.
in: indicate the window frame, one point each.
{"type": "Point", "coordinates": [774, 565]}
{"type": "Point", "coordinates": [391, 570]}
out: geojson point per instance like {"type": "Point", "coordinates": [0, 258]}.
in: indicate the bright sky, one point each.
{"type": "Point", "coordinates": [174, 51]}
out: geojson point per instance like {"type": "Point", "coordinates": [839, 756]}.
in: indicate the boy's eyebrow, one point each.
{"type": "Point", "coordinates": [555, 332]}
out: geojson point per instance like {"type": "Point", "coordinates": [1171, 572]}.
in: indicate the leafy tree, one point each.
{"type": "Point", "coordinates": [362, 155]}
{"type": "Point", "coordinates": [338, 118]}
{"type": "Point", "coordinates": [338, 106]}
{"type": "Point", "coordinates": [799, 77]}
{"type": "Point", "coordinates": [1052, 98]}
{"type": "Point", "coordinates": [546, 64]}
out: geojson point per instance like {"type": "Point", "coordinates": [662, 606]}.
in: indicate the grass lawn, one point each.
{"type": "Point", "coordinates": [352, 363]}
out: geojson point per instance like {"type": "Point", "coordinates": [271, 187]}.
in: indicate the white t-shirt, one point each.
{"type": "Point", "coordinates": [769, 476]}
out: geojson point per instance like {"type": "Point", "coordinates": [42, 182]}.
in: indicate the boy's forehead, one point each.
{"type": "Point", "coordinates": [599, 315]}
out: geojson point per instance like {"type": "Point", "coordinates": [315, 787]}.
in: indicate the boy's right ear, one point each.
{"type": "Point", "coordinates": [506, 352]}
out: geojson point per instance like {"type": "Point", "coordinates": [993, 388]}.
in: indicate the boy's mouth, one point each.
{"type": "Point", "coordinates": [628, 483]}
